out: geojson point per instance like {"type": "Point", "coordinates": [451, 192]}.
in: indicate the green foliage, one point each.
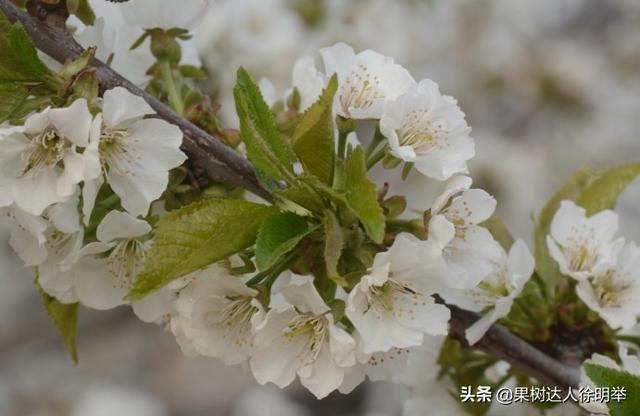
{"type": "Point", "coordinates": [608, 377]}
{"type": "Point", "coordinates": [12, 96]}
{"type": "Point", "coordinates": [65, 317]}
{"type": "Point", "coordinates": [277, 236]}
{"type": "Point", "coordinates": [302, 195]}
{"type": "Point", "coordinates": [361, 196]}
{"type": "Point", "coordinates": [313, 140]}
{"type": "Point", "coordinates": [196, 236]}
{"type": "Point", "coordinates": [333, 245]}
{"type": "Point", "coordinates": [19, 60]}
{"type": "Point", "coordinates": [266, 148]}
{"type": "Point", "coordinates": [603, 192]}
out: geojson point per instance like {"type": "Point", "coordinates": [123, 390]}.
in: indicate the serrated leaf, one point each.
{"type": "Point", "coordinates": [608, 377]}
{"type": "Point", "coordinates": [546, 267]}
{"type": "Point", "coordinates": [12, 97]}
{"type": "Point", "coordinates": [193, 237]}
{"type": "Point", "coordinates": [278, 235]}
{"type": "Point", "coordinates": [19, 60]}
{"type": "Point", "coordinates": [85, 13]}
{"type": "Point", "coordinates": [301, 195]}
{"type": "Point", "coordinates": [313, 140]}
{"type": "Point", "coordinates": [333, 245]}
{"type": "Point", "coordinates": [603, 192]}
{"type": "Point", "coordinates": [361, 196]}
{"type": "Point", "coordinates": [65, 318]}
{"type": "Point", "coordinates": [266, 148]}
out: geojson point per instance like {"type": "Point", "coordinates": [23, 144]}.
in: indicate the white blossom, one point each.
{"type": "Point", "coordinates": [365, 80]}
{"type": "Point", "coordinates": [471, 245]}
{"type": "Point", "coordinates": [216, 314]}
{"type": "Point", "coordinates": [134, 154]}
{"type": "Point", "coordinates": [614, 289]}
{"type": "Point", "coordinates": [428, 129]}
{"type": "Point", "coordinates": [494, 295]}
{"type": "Point", "coordinates": [39, 161]}
{"type": "Point", "coordinates": [302, 339]}
{"type": "Point", "coordinates": [104, 271]}
{"type": "Point", "coordinates": [391, 306]}
{"type": "Point", "coordinates": [581, 244]}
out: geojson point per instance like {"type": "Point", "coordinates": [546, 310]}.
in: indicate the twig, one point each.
{"type": "Point", "coordinates": [227, 165]}
{"type": "Point", "coordinates": [222, 163]}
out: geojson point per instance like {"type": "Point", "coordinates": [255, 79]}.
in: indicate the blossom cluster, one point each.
{"type": "Point", "coordinates": [391, 310]}
{"type": "Point", "coordinates": [604, 267]}
{"type": "Point", "coordinates": [80, 187]}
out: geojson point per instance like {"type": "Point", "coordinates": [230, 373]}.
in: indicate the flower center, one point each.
{"type": "Point", "coordinates": [608, 289]}
{"type": "Point", "coordinates": [385, 299]}
{"type": "Point", "coordinates": [421, 134]}
{"type": "Point", "coordinates": [116, 152]}
{"type": "Point", "coordinates": [125, 260]}
{"type": "Point", "coordinates": [359, 90]}
{"type": "Point", "coordinates": [582, 258]}
{"type": "Point", "coordinates": [315, 328]}
{"type": "Point", "coordinates": [236, 319]}
{"type": "Point", "coordinates": [45, 151]}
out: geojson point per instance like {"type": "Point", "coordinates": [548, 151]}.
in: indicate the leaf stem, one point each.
{"type": "Point", "coordinates": [377, 157]}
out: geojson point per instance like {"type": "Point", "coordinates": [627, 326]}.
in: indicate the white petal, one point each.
{"type": "Point", "coordinates": [73, 122]}
{"type": "Point", "coordinates": [89, 194]}
{"type": "Point", "coordinates": [325, 377]}
{"type": "Point", "coordinates": [96, 287]}
{"type": "Point", "coordinates": [456, 185]}
{"type": "Point", "coordinates": [120, 108]}
{"type": "Point", "coordinates": [302, 294]}
{"type": "Point", "coordinates": [30, 251]}
{"type": "Point", "coordinates": [120, 225]}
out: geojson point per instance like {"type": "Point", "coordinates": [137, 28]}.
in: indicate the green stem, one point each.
{"type": "Point", "coordinates": [342, 144]}
{"type": "Point", "coordinates": [174, 95]}
{"type": "Point", "coordinates": [375, 141]}
{"type": "Point", "coordinates": [377, 157]}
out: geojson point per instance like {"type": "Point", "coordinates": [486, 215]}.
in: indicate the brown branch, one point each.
{"type": "Point", "coordinates": [222, 163]}
{"type": "Point", "coordinates": [501, 343]}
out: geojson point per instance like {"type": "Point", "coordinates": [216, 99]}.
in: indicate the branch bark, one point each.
{"type": "Point", "coordinates": [222, 163]}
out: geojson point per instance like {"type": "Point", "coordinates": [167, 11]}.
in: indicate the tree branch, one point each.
{"type": "Point", "coordinates": [222, 163]}
{"type": "Point", "coordinates": [501, 343]}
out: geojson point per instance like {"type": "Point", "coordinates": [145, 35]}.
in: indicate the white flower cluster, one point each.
{"type": "Point", "coordinates": [605, 268]}
{"type": "Point", "coordinates": [392, 308]}
{"type": "Point", "coordinates": [54, 168]}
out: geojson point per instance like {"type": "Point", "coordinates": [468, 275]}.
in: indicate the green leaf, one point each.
{"type": "Point", "coordinates": [193, 237]}
{"type": "Point", "coordinates": [546, 267]}
{"type": "Point", "coordinates": [266, 148]}
{"type": "Point", "coordinates": [278, 235]}
{"type": "Point", "coordinates": [19, 60]}
{"type": "Point", "coordinates": [313, 140]}
{"type": "Point", "coordinates": [361, 196]}
{"type": "Point", "coordinates": [608, 377]}
{"type": "Point", "coordinates": [65, 318]}
{"type": "Point", "coordinates": [12, 97]}
{"type": "Point", "coordinates": [302, 195]}
{"type": "Point", "coordinates": [333, 245]}
{"type": "Point", "coordinates": [603, 192]}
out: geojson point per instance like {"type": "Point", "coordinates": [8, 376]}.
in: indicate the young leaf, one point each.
{"type": "Point", "coordinates": [278, 235]}
{"type": "Point", "coordinates": [603, 192]}
{"type": "Point", "coordinates": [196, 236]}
{"type": "Point", "coordinates": [19, 60]}
{"type": "Point", "coordinates": [65, 318]}
{"type": "Point", "coordinates": [266, 148]}
{"type": "Point", "coordinates": [361, 196]}
{"type": "Point", "coordinates": [301, 195]}
{"type": "Point", "coordinates": [608, 377]}
{"type": "Point", "coordinates": [546, 267]}
{"type": "Point", "coordinates": [333, 244]}
{"type": "Point", "coordinates": [12, 96]}
{"type": "Point", "coordinates": [313, 140]}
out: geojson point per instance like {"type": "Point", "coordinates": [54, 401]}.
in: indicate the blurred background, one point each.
{"type": "Point", "coordinates": [548, 86]}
